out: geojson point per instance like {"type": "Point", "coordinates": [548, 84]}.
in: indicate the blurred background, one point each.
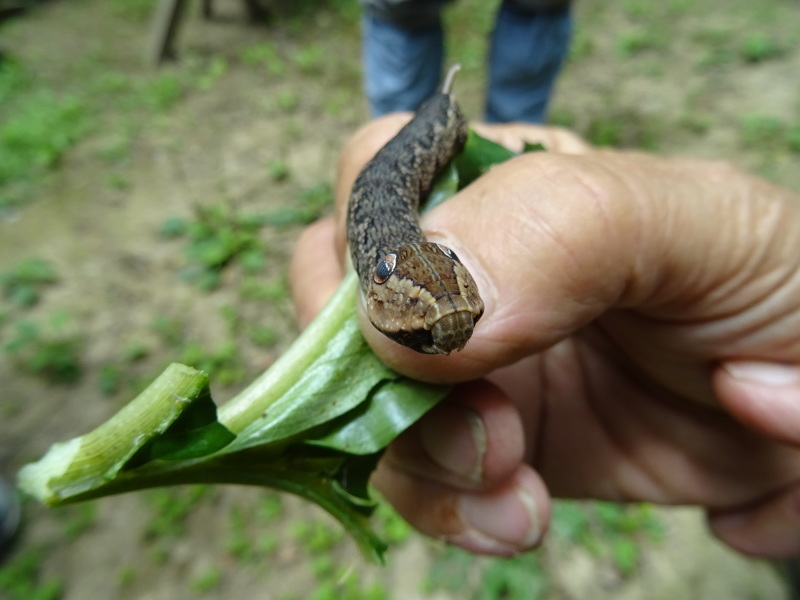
{"type": "Point", "coordinates": [147, 214]}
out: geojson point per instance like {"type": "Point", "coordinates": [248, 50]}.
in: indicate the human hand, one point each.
{"type": "Point", "coordinates": [641, 342]}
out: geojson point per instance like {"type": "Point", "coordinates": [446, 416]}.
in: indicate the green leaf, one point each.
{"type": "Point", "coordinates": [341, 379]}
{"type": "Point", "coordinates": [444, 187]}
{"type": "Point", "coordinates": [392, 408]}
{"type": "Point", "coordinates": [478, 156]}
{"type": "Point", "coordinates": [194, 433]}
{"type": "Point", "coordinates": [321, 356]}
{"type": "Point", "coordinates": [352, 479]}
{"type": "Point", "coordinates": [530, 147]}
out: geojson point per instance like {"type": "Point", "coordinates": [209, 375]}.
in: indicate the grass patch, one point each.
{"type": "Point", "coordinates": [310, 205]}
{"type": "Point", "coordinates": [310, 59]}
{"type": "Point", "coordinates": [78, 520]}
{"type": "Point", "coordinates": [793, 138]}
{"type": "Point", "coordinates": [23, 284]}
{"type": "Point", "coordinates": [623, 130]}
{"type": "Point", "coordinates": [639, 40]}
{"type": "Point", "coordinates": [316, 536]}
{"type": "Point", "coordinates": [270, 508]}
{"type": "Point", "coordinates": [217, 237]}
{"type": "Point", "coordinates": [163, 92]}
{"type": "Point", "coordinates": [462, 575]}
{"type": "Point", "coordinates": [518, 578]}
{"type": "Point", "coordinates": [758, 47]}
{"type": "Point", "coordinates": [238, 542]}
{"type": "Point", "coordinates": [126, 576]}
{"type": "Point", "coordinates": [612, 532]}
{"type": "Point", "coordinates": [38, 127]}
{"type": "Point", "coordinates": [42, 117]}
{"type": "Point", "coordinates": [581, 45]}
{"type": "Point", "coordinates": [208, 580]}
{"type": "Point", "coordinates": [724, 48]}
{"type": "Point", "coordinates": [172, 508]}
{"type": "Point", "coordinates": [223, 363]}
{"type": "Point", "coordinates": [393, 529]}
{"type": "Point", "coordinates": [266, 56]}
{"type": "Point", "coordinates": [20, 578]}
{"type": "Point", "coordinates": [264, 336]}
{"type": "Point", "coordinates": [208, 73]}
{"type": "Point", "coordinates": [278, 171]}
{"type": "Point", "coordinates": [769, 133]}
{"type": "Point", "coordinates": [50, 351]}
{"type": "Point", "coordinates": [136, 10]}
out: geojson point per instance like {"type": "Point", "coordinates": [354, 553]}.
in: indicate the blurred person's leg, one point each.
{"type": "Point", "coordinates": [529, 44]}
{"type": "Point", "coordinates": [403, 50]}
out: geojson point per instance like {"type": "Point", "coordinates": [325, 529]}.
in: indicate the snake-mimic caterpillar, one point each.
{"type": "Point", "coordinates": [418, 293]}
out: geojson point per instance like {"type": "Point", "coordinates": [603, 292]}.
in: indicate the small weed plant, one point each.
{"type": "Point", "coordinates": [51, 352]}
{"type": "Point", "coordinates": [22, 285]}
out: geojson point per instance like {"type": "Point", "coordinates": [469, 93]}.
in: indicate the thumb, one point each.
{"type": "Point", "coordinates": [530, 232]}
{"type": "Point", "coordinates": [554, 241]}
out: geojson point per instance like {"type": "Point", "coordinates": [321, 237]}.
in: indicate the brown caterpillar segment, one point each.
{"type": "Point", "coordinates": [430, 301]}
{"type": "Point", "coordinates": [418, 293]}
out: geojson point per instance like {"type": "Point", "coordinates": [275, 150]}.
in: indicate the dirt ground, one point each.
{"type": "Point", "coordinates": [638, 77]}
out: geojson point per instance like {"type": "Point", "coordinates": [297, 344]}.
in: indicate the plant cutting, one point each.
{"type": "Point", "coordinates": [314, 424]}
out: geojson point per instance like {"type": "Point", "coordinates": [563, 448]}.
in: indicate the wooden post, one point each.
{"type": "Point", "coordinates": [167, 19]}
{"type": "Point", "coordinates": [164, 29]}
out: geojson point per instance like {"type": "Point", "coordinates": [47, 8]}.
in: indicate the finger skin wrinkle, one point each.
{"type": "Point", "coordinates": [706, 254]}
{"type": "Point", "coordinates": [623, 234]}
{"type": "Point", "coordinates": [768, 278]}
{"type": "Point", "coordinates": [536, 432]}
{"type": "Point", "coordinates": [631, 478]}
{"type": "Point", "coordinates": [609, 437]}
{"type": "Point", "coordinates": [574, 442]}
{"type": "Point", "coordinates": [565, 227]}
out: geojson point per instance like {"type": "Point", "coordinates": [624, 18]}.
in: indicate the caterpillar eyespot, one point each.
{"type": "Point", "coordinates": [385, 268]}
{"type": "Point", "coordinates": [447, 252]}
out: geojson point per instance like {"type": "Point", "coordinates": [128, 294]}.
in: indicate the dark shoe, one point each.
{"type": "Point", "coordinates": [9, 517]}
{"type": "Point", "coordinates": [793, 576]}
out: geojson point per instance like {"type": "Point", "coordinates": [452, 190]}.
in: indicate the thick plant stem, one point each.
{"type": "Point", "coordinates": [232, 469]}
{"type": "Point", "coordinates": [90, 461]}
{"type": "Point", "coordinates": [252, 402]}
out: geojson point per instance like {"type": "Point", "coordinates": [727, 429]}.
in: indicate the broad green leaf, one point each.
{"type": "Point", "coordinates": [194, 434]}
{"type": "Point", "coordinates": [327, 372]}
{"type": "Point", "coordinates": [392, 409]}
{"type": "Point", "coordinates": [531, 147]}
{"type": "Point", "coordinates": [444, 187]}
{"type": "Point", "coordinates": [352, 479]}
{"type": "Point", "coordinates": [478, 156]}
{"type": "Point", "coordinates": [338, 381]}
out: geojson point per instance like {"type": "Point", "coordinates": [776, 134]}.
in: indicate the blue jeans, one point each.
{"type": "Point", "coordinates": [403, 58]}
